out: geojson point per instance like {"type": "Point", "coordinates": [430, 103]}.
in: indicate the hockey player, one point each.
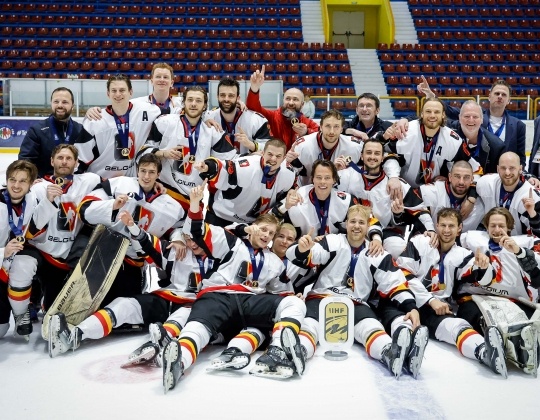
{"type": "Point", "coordinates": [286, 123]}
{"type": "Point", "coordinates": [432, 274]}
{"type": "Point", "coordinates": [429, 148]}
{"type": "Point", "coordinates": [240, 197]}
{"type": "Point", "coordinates": [369, 184]}
{"type": "Point", "coordinates": [108, 146]}
{"type": "Point", "coordinates": [347, 270]}
{"type": "Point", "coordinates": [51, 255]}
{"type": "Point", "coordinates": [235, 293]}
{"type": "Point", "coordinates": [509, 189]}
{"type": "Point", "coordinates": [453, 193]}
{"type": "Point", "coordinates": [176, 295]}
{"type": "Point", "coordinates": [162, 80]}
{"type": "Point", "coordinates": [17, 205]}
{"type": "Point", "coordinates": [245, 128]}
{"type": "Point", "coordinates": [153, 212]}
{"type": "Point", "coordinates": [515, 282]}
{"type": "Point", "coordinates": [323, 207]}
{"type": "Point", "coordinates": [184, 139]}
{"type": "Point", "coordinates": [58, 128]}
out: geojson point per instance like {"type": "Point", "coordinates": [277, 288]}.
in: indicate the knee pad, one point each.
{"type": "Point", "coordinates": [22, 271]}
{"type": "Point", "coordinates": [291, 307]}
{"type": "Point", "coordinates": [365, 328]}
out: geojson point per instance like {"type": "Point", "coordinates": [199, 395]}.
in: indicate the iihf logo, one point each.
{"type": "Point", "coordinates": [6, 132]}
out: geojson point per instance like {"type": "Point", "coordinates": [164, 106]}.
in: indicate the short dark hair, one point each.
{"type": "Point", "coordinates": [195, 88]}
{"type": "Point", "coordinates": [119, 78]}
{"type": "Point", "coordinates": [326, 164]}
{"type": "Point", "coordinates": [149, 158]}
{"type": "Point", "coordinates": [64, 89]}
{"type": "Point", "coordinates": [276, 143]}
{"type": "Point", "coordinates": [372, 140]}
{"type": "Point", "coordinates": [63, 146]}
{"type": "Point", "coordinates": [501, 82]}
{"type": "Point", "coordinates": [22, 165]}
{"type": "Point", "coordinates": [371, 96]}
{"type": "Point", "coordinates": [500, 211]}
{"type": "Point", "coordinates": [449, 212]}
{"type": "Point", "coordinates": [332, 113]}
{"type": "Point", "coordinates": [229, 82]}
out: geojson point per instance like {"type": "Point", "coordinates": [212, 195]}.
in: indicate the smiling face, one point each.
{"type": "Point", "coordinates": [357, 226]}
{"type": "Point", "coordinates": [267, 231]}
{"type": "Point", "coordinates": [323, 181]}
{"type": "Point", "coordinates": [509, 169]}
{"type": "Point", "coordinates": [283, 240]}
{"type": "Point", "coordinates": [460, 180]}
{"type": "Point", "coordinates": [147, 175]}
{"type": "Point", "coordinates": [119, 93]}
{"type": "Point", "coordinates": [497, 227]}
{"type": "Point", "coordinates": [448, 230]}
{"type": "Point", "coordinates": [273, 156]}
{"type": "Point", "coordinates": [63, 163]}
{"type": "Point", "coordinates": [367, 111]}
{"type": "Point", "coordinates": [372, 156]}
{"type": "Point", "coordinates": [18, 185]}
{"type": "Point", "coordinates": [432, 115]}
{"type": "Point", "coordinates": [227, 97]}
{"type": "Point", "coordinates": [162, 81]}
{"type": "Point", "coordinates": [470, 119]}
{"type": "Point", "coordinates": [293, 100]}
{"type": "Point", "coordinates": [194, 105]}
{"type": "Point", "coordinates": [61, 105]}
{"type": "Point", "coordinates": [331, 128]}
{"type": "Point", "coordinates": [191, 244]}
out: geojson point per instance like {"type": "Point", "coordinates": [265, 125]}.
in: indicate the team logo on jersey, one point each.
{"type": "Point", "coordinates": [142, 217]}
{"type": "Point", "coordinates": [364, 202]}
{"type": "Point", "coordinates": [186, 163]}
{"type": "Point", "coordinates": [341, 195]}
{"type": "Point", "coordinates": [497, 267]}
{"type": "Point", "coordinates": [243, 163]}
{"type": "Point", "coordinates": [67, 216]}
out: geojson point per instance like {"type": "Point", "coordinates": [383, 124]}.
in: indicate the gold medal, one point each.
{"type": "Point", "coordinates": [441, 286]}
{"type": "Point", "coordinates": [131, 195]}
{"type": "Point", "coordinates": [20, 239]}
{"type": "Point", "coordinates": [125, 152]}
{"type": "Point", "coordinates": [294, 121]}
{"type": "Point", "coordinates": [348, 159]}
{"type": "Point", "coordinates": [191, 159]}
{"type": "Point", "coordinates": [60, 181]}
{"type": "Point", "coordinates": [350, 282]}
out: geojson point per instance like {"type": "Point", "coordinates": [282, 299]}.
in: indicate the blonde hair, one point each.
{"type": "Point", "coordinates": [364, 211]}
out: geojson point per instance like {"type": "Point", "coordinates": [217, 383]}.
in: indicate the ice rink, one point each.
{"type": "Point", "coordinates": [89, 384]}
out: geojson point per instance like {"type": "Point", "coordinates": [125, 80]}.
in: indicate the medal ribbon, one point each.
{"type": "Point", "coordinates": [256, 268]}
{"type": "Point", "coordinates": [500, 130]}
{"type": "Point", "coordinates": [325, 154]}
{"type": "Point", "coordinates": [321, 215]}
{"type": "Point", "coordinates": [230, 127]}
{"type": "Point", "coordinates": [505, 197]}
{"type": "Point", "coordinates": [16, 229]}
{"type": "Point", "coordinates": [122, 125]}
{"type": "Point", "coordinates": [441, 269]}
{"type": "Point", "coordinates": [428, 147]}
{"type": "Point", "coordinates": [56, 137]}
{"type": "Point", "coordinates": [165, 105]}
{"type": "Point", "coordinates": [354, 259]}
{"type": "Point", "coordinates": [494, 247]}
{"type": "Point", "coordinates": [192, 134]}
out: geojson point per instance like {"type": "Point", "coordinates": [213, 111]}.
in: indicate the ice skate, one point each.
{"type": "Point", "coordinates": [394, 354]}
{"type": "Point", "coordinates": [59, 335]}
{"type": "Point", "coordinates": [274, 363]}
{"type": "Point", "coordinates": [290, 342]}
{"type": "Point", "coordinates": [147, 353]}
{"type": "Point", "coordinates": [419, 341]}
{"type": "Point", "coordinates": [491, 351]}
{"type": "Point", "coordinates": [159, 335]}
{"type": "Point", "coordinates": [23, 325]}
{"type": "Point", "coordinates": [173, 368]}
{"type": "Point", "coordinates": [230, 358]}
{"type": "Point", "coordinates": [529, 350]}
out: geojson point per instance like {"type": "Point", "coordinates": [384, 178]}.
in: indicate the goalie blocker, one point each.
{"type": "Point", "coordinates": [91, 279]}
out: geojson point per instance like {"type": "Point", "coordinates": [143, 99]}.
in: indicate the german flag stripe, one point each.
{"type": "Point", "coordinates": [282, 324]}
{"type": "Point", "coordinates": [371, 339]}
{"type": "Point", "coordinates": [180, 198]}
{"type": "Point", "coordinates": [87, 199]}
{"type": "Point", "coordinates": [4, 275]}
{"type": "Point", "coordinates": [190, 346]}
{"type": "Point", "coordinates": [251, 338]}
{"type": "Point", "coordinates": [172, 297]}
{"type": "Point", "coordinates": [105, 320]}
{"type": "Point", "coordinates": [133, 262]}
{"type": "Point", "coordinates": [401, 288]}
{"type": "Point", "coordinates": [172, 329]}
{"type": "Point", "coordinates": [55, 261]}
{"type": "Point", "coordinates": [19, 294]}
{"type": "Point", "coordinates": [463, 336]}
{"type": "Point", "coordinates": [311, 339]}
{"type": "Point", "coordinates": [208, 237]}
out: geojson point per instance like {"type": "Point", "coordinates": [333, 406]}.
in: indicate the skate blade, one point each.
{"type": "Point", "coordinates": [500, 363]}
{"type": "Point", "coordinates": [289, 341]}
{"type": "Point", "coordinates": [420, 341]}
{"type": "Point", "coordinates": [404, 343]}
{"type": "Point", "coordinates": [231, 366]}
{"type": "Point", "coordinates": [140, 360]}
{"type": "Point", "coordinates": [278, 374]}
{"type": "Point", "coordinates": [170, 355]}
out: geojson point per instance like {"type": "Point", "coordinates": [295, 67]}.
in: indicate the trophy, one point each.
{"type": "Point", "coordinates": [336, 326]}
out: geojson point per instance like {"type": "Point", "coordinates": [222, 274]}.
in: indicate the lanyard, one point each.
{"type": "Point", "coordinates": [16, 229]}
{"type": "Point", "coordinates": [200, 261]}
{"type": "Point", "coordinates": [192, 135]}
{"type": "Point", "coordinates": [164, 105]}
{"type": "Point", "coordinates": [56, 137]}
{"type": "Point", "coordinates": [256, 268]}
{"type": "Point", "coordinates": [505, 197]}
{"type": "Point", "coordinates": [230, 127]}
{"type": "Point", "coordinates": [325, 154]}
{"type": "Point", "coordinates": [354, 259]}
{"type": "Point", "coordinates": [441, 271]}
{"type": "Point", "coordinates": [321, 215]}
{"type": "Point", "coordinates": [455, 202]}
{"type": "Point", "coordinates": [500, 130]}
{"type": "Point", "coordinates": [122, 126]}
{"type": "Point", "coordinates": [429, 147]}
{"type": "Point", "coordinates": [494, 247]}
{"type": "Point", "coordinates": [147, 196]}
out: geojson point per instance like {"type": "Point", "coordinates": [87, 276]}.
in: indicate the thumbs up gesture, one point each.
{"type": "Point", "coordinates": [306, 242]}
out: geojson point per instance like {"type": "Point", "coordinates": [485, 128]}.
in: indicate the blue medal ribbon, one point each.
{"type": "Point", "coordinates": [256, 268]}
{"type": "Point", "coordinates": [56, 137]}
{"type": "Point", "coordinates": [493, 246]}
{"type": "Point", "coordinates": [200, 261]}
{"type": "Point", "coordinates": [321, 215]}
{"type": "Point", "coordinates": [500, 130]}
{"type": "Point", "coordinates": [441, 270]}
{"type": "Point", "coordinates": [355, 252]}
{"type": "Point", "coordinates": [192, 136]}
{"type": "Point", "coordinates": [428, 147]}
{"type": "Point", "coordinates": [165, 105]}
{"type": "Point", "coordinates": [122, 126]}
{"type": "Point", "coordinates": [18, 228]}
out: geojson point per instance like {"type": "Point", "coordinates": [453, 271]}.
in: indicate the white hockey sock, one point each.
{"type": "Point", "coordinates": [247, 340]}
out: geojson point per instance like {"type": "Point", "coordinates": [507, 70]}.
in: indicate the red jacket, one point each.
{"type": "Point", "coordinates": [280, 127]}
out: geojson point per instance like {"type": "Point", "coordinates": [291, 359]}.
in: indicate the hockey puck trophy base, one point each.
{"type": "Point", "coordinates": [336, 356]}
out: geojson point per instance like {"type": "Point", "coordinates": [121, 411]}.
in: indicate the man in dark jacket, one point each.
{"type": "Point", "coordinates": [366, 124]}
{"type": "Point", "coordinates": [43, 137]}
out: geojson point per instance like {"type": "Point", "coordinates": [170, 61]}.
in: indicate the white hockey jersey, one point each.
{"type": "Point", "coordinates": [488, 189]}
{"type": "Point", "coordinates": [372, 193]}
{"type": "Point", "coordinates": [179, 176]}
{"type": "Point", "coordinates": [508, 279]}
{"type": "Point", "coordinates": [154, 213]}
{"type": "Point", "coordinates": [351, 273]}
{"type": "Point", "coordinates": [174, 105]}
{"type": "Point", "coordinates": [243, 192]}
{"type": "Point", "coordinates": [61, 220]}
{"type": "Point", "coordinates": [427, 277]}
{"type": "Point", "coordinates": [234, 270]}
{"type": "Point", "coordinates": [439, 195]}
{"type": "Point", "coordinates": [423, 163]}
{"type": "Point", "coordinates": [254, 125]}
{"type": "Point", "coordinates": [100, 145]}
